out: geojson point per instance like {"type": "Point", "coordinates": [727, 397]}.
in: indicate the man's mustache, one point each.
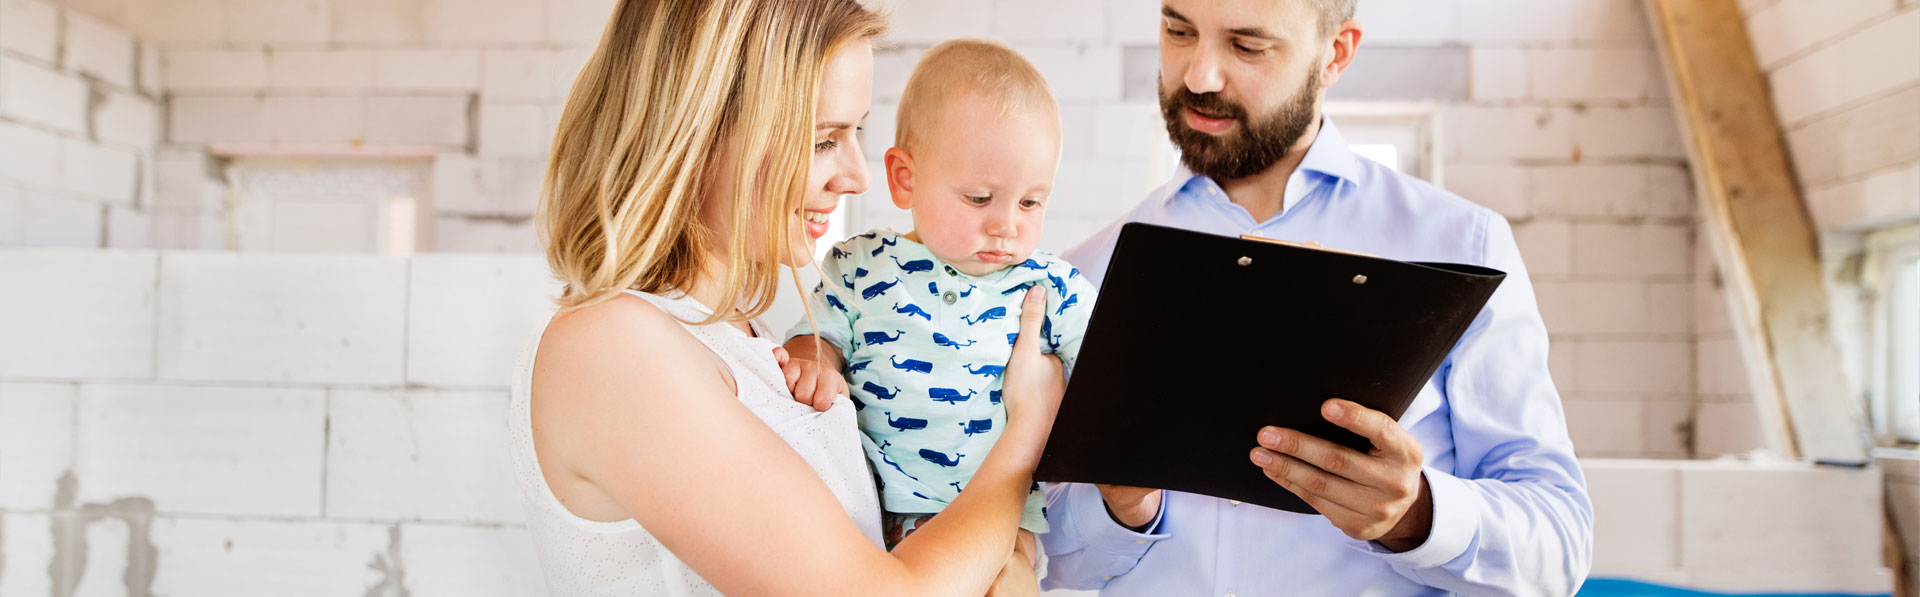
{"type": "Point", "coordinates": [1210, 103]}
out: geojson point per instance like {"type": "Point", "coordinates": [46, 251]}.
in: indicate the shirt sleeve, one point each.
{"type": "Point", "coordinates": [1513, 517]}
{"type": "Point", "coordinates": [1068, 314]}
{"type": "Point", "coordinates": [1086, 548]}
{"type": "Point", "coordinates": [832, 304]}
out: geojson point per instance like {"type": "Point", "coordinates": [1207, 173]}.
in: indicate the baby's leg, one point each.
{"type": "Point", "coordinates": [1017, 578]}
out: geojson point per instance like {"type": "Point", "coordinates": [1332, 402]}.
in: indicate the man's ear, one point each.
{"type": "Point", "coordinates": [900, 177]}
{"type": "Point", "coordinates": [1345, 43]}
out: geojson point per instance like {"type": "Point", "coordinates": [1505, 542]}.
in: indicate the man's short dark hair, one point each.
{"type": "Point", "coordinates": [1333, 13]}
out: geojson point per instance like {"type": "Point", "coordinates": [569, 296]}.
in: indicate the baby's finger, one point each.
{"type": "Point", "coordinates": [780, 355]}
{"type": "Point", "coordinates": [805, 386]}
{"type": "Point", "coordinates": [792, 373]}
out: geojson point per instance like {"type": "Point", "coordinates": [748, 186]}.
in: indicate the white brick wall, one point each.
{"type": "Point", "coordinates": [427, 70]}
{"type": "Point", "coordinates": [98, 50]}
{"type": "Point", "coordinates": [39, 95]}
{"type": "Point", "coordinates": [98, 172]}
{"type": "Point", "coordinates": [36, 444]}
{"type": "Point", "coordinates": [419, 455]}
{"type": "Point", "coordinates": [320, 320]}
{"type": "Point", "coordinates": [30, 28]}
{"type": "Point", "coordinates": [258, 557]}
{"type": "Point", "coordinates": [188, 447]}
{"type": "Point", "coordinates": [307, 70]}
{"type": "Point", "coordinates": [76, 315]}
{"type": "Point", "coordinates": [27, 542]}
{"type": "Point", "coordinates": [1695, 524]}
{"type": "Point", "coordinates": [29, 155]}
{"type": "Point", "coordinates": [128, 119]}
{"type": "Point", "coordinates": [424, 120]}
{"type": "Point", "coordinates": [454, 340]}
{"type": "Point", "coordinates": [75, 131]}
{"type": "Point", "coordinates": [214, 70]}
{"type": "Point", "coordinates": [476, 561]}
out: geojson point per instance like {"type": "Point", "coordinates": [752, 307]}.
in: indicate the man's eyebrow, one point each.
{"type": "Point", "coordinates": [1257, 32]}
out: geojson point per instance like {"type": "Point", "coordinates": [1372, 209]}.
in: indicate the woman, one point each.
{"type": "Point", "coordinates": [655, 442]}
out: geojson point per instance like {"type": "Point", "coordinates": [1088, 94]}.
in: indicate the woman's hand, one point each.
{"type": "Point", "coordinates": [1034, 382]}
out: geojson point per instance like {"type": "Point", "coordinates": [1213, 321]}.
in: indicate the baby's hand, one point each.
{"type": "Point", "coordinates": [812, 384]}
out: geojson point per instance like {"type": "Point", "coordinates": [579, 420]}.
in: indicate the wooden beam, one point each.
{"type": "Point", "coordinates": [1763, 236]}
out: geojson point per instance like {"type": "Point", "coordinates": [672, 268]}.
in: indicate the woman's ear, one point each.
{"type": "Point", "coordinates": [900, 177]}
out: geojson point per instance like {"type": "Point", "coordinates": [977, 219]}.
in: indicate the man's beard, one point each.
{"type": "Point", "coordinates": [1237, 154]}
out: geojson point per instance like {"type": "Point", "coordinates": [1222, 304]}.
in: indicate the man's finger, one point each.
{"type": "Point", "coordinates": [1325, 455]}
{"type": "Point", "coordinates": [1340, 516]}
{"type": "Point", "coordinates": [1387, 435]}
{"type": "Point", "coordinates": [1301, 478]}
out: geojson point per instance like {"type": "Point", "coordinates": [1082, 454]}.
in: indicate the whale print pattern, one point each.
{"type": "Point", "coordinates": [925, 373]}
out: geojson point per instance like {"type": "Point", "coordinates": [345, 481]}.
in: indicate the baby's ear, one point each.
{"type": "Point", "coordinates": [900, 177]}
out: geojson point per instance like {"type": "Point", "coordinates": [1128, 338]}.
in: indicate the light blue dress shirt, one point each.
{"type": "Point", "coordinates": [1510, 509]}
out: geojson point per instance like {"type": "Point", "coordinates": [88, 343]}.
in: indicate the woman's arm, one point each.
{"type": "Point", "coordinates": [622, 399]}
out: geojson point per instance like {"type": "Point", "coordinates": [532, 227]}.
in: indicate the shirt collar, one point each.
{"type": "Point", "coordinates": [1329, 156]}
{"type": "Point", "coordinates": [910, 250]}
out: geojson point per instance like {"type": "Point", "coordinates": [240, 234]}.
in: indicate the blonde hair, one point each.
{"type": "Point", "coordinates": [968, 68]}
{"type": "Point", "coordinates": [675, 87]}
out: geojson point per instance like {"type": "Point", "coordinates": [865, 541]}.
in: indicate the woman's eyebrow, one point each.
{"type": "Point", "coordinates": [839, 125]}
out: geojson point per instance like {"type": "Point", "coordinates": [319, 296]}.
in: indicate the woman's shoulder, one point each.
{"type": "Point", "coordinates": [621, 333]}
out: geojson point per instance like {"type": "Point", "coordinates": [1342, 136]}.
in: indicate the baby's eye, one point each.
{"type": "Point", "coordinates": [983, 200]}
{"type": "Point", "coordinates": [1029, 204]}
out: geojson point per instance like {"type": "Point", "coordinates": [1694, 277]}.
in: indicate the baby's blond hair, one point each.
{"type": "Point", "coordinates": [969, 68]}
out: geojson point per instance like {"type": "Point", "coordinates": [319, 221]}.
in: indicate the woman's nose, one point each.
{"type": "Point", "coordinates": [852, 178]}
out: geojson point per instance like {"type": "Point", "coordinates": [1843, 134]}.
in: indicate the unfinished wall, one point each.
{"type": "Point", "coordinates": [205, 423]}
{"type": "Point", "coordinates": [1846, 85]}
{"type": "Point", "coordinates": [79, 119]}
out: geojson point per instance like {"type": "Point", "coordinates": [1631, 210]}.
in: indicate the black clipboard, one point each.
{"type": "Point", "coordinates": [1197, 341]}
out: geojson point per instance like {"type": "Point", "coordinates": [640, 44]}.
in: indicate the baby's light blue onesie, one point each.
{"type": "Point", "coordinates": [925, 346]}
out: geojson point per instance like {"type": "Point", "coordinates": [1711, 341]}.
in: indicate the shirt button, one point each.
{"type": "Point", "coordinates": [951, 271]}
{"type": "Point", "coordinates": [1106, 578]}
{"type": "Point", "coordinates": [1140, 541]}
{"type": "Point", "coordinates": [1234, 502]}
{"type": "Point", "coordinates": [1229, 594]}
{"type": "Point", "coordinates": [950, 297]}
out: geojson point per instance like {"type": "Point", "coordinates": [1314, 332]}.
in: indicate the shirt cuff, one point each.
{"type": "Point", "coordinates": [1456, 518]}
{"type": "Point", "coordinates": [1100, 531]}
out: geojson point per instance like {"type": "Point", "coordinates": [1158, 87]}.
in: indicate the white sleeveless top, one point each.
{"type": "Point", "coordinates": [585, 557]}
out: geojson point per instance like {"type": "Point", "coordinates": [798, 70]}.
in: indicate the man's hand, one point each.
{"type": "Point", "coordinates": [1132, 507]}
{"type": "Point", "coordinates": [1378, 496]}
{"type": "Point", "coordinates": [812, 381]}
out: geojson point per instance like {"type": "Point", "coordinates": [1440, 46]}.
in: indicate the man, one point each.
{"type": "Point", "coordinates": [1474, 490]}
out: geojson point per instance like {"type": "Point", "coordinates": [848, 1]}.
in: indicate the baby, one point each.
{"type": "Point", "coordinates": [925, 321]}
